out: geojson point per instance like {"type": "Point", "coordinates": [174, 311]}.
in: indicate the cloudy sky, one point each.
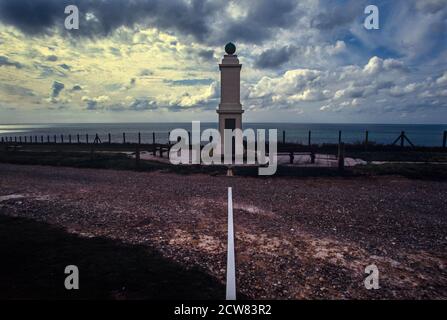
{"type": "Point", "coordinates": [157, 60]}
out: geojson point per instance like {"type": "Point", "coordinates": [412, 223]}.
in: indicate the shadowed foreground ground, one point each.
{"type": "Point", "coordinates": [35, 254]}
{"type": "Point", "coordinates": [295, 238]}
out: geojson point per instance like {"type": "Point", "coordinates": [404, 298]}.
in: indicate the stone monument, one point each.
{"type": "Point", "coordinates": [230, 108]}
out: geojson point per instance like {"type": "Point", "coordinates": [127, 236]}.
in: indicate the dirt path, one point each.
{"type": "Point", "coordinates": [295, 238]}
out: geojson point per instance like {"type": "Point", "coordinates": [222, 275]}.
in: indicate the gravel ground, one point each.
{"type": "Point", "coordinates": [295, 238]}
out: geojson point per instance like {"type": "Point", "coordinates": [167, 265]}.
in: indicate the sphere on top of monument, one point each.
{"type": "Point", "coordinates": [230, 48]}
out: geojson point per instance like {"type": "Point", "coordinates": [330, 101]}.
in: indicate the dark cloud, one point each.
{"type": "Point", "coordinates": [338, 15]}
{"type": "Point", "coordinates": [145, 73]}
{"type": "Point", "coordinates": [48, 71]}
{"type": "Point", "coordinates": [65, 66]}
{"type": "Point", "coordinates": [273, 58]}
{"type": "Point", "coordinates": [194, 18]}
{"type": "Point", "coordinates": [115, 51]}
{"type": "Point", "coordinates": [41, 16]}
{"type": "Point", "coordinates": [4, 61]}
{"type": "Point", "coordinates": [262, 22]}
{"type": "Point", "coordinates": [56, 88]}
{"type": "Point", "coordinates": [92, 105]}
{"type": "Point", "coordinates": [206, 54]}
{"type": "Point", "coordinates": [52, 58]}
{"type": "Point", "coordinates": [17, 90]}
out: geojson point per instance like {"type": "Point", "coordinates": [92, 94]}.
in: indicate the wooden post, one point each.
{"type": "Point", "coordinates": [26, 139]}
{"type": "Point", "coordinates": [30, 139]}
{"type": "Point", "coordinates": [153, 144]}
{"type": "Point", "coordinates": [402, 137]}
{"type": "Point", "coordinates": [444, 140]}
{"type": "Point", "coordinates": [77, 136]}
{"type": "Point", "coordinates": [284, 136]}
{"type": "Point", "coordinates": [69, 138]}
{"type": "Point", "coordinates": [366, 139]}
{"type": "Point", "coordinates": [309, 138]}
{"type": "Point", "coordinates": [41, 139]}
{"type": "Point", "coordinates": [48, 139]}
{"type": "Point", "coordinates": [62, 138]}
{"type": "Point", "coordinates": [110, 138]}
{"type": "Point", "coordinates": [86, 138]}
{"type": "Point", "coordinates": [339, 136]}
{"type": "Point", "coordinates": [139, 137]}
{"type": "Point", "coordinates": [341, 156]}
{"type": "Point", "coordinates": [292, 157]}
{"type": "Point", "coordinates": [124, 137]}
{"type": "Point", "coordinates": [55, 139]}
{"type": "Point", "coordinates": [15, 139]}
{"type": "Point", "coordinates": [20, 139]}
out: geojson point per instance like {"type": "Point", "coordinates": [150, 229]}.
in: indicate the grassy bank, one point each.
{"type": "Point", "coordinates": [117, 161]}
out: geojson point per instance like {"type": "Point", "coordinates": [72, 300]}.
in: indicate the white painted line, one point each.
{"type": "Point", "coordinates": [231, 267]}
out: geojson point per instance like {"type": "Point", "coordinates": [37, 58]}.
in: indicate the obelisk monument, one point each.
{"type": "Point", "coordinates": [230, 108]}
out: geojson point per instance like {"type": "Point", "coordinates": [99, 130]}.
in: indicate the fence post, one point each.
{"type": "Point", "coordinates": [30, 139]}
{"type": "Point", "coordinates": [55, 139]}
{"type": "Point", "coordinates": [69, 138]}
{"type": "Point", "coordinates": [41, 139]}
{"type": "Point", "coordinates": [284, 136]}
{"type": "Point", "coordinates": [444, 140]}
{"type": "Point", "coordinates": [153, 144]}
{"type": "Point", "coordinates": [366, 139]}
{"type": "Point", "coordinates": [339, 136]}
{"type": "Point", "coordinates": [402, 135]}
{"type": "Point", "coordinates": [341, 156]}
{"type": "Point", "coordinates": [48, 139]}
{"type": "Point", "coordinates": [86, 138]}
{"type": "Point", "coordinates": [309, 142]}
{"type": "Point", "coordinates": [124, 137]}
{"type": "Point", "coordinates": [110, 138]}
{"type": "Point", "coordinates": [62, 138]}
{"type": "Point", "coordinates": [139, 137]}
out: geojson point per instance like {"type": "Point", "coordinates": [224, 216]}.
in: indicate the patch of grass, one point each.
{"type": "Point", "coordinates": [437, 172]}
{"type": "Point", "coordinates": [121, 161]}
{"type": "Point", "coordinates": [406, 155]}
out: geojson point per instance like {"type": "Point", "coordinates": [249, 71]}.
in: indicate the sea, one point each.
{"type": "Point", "coordinates": [418, 134]}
